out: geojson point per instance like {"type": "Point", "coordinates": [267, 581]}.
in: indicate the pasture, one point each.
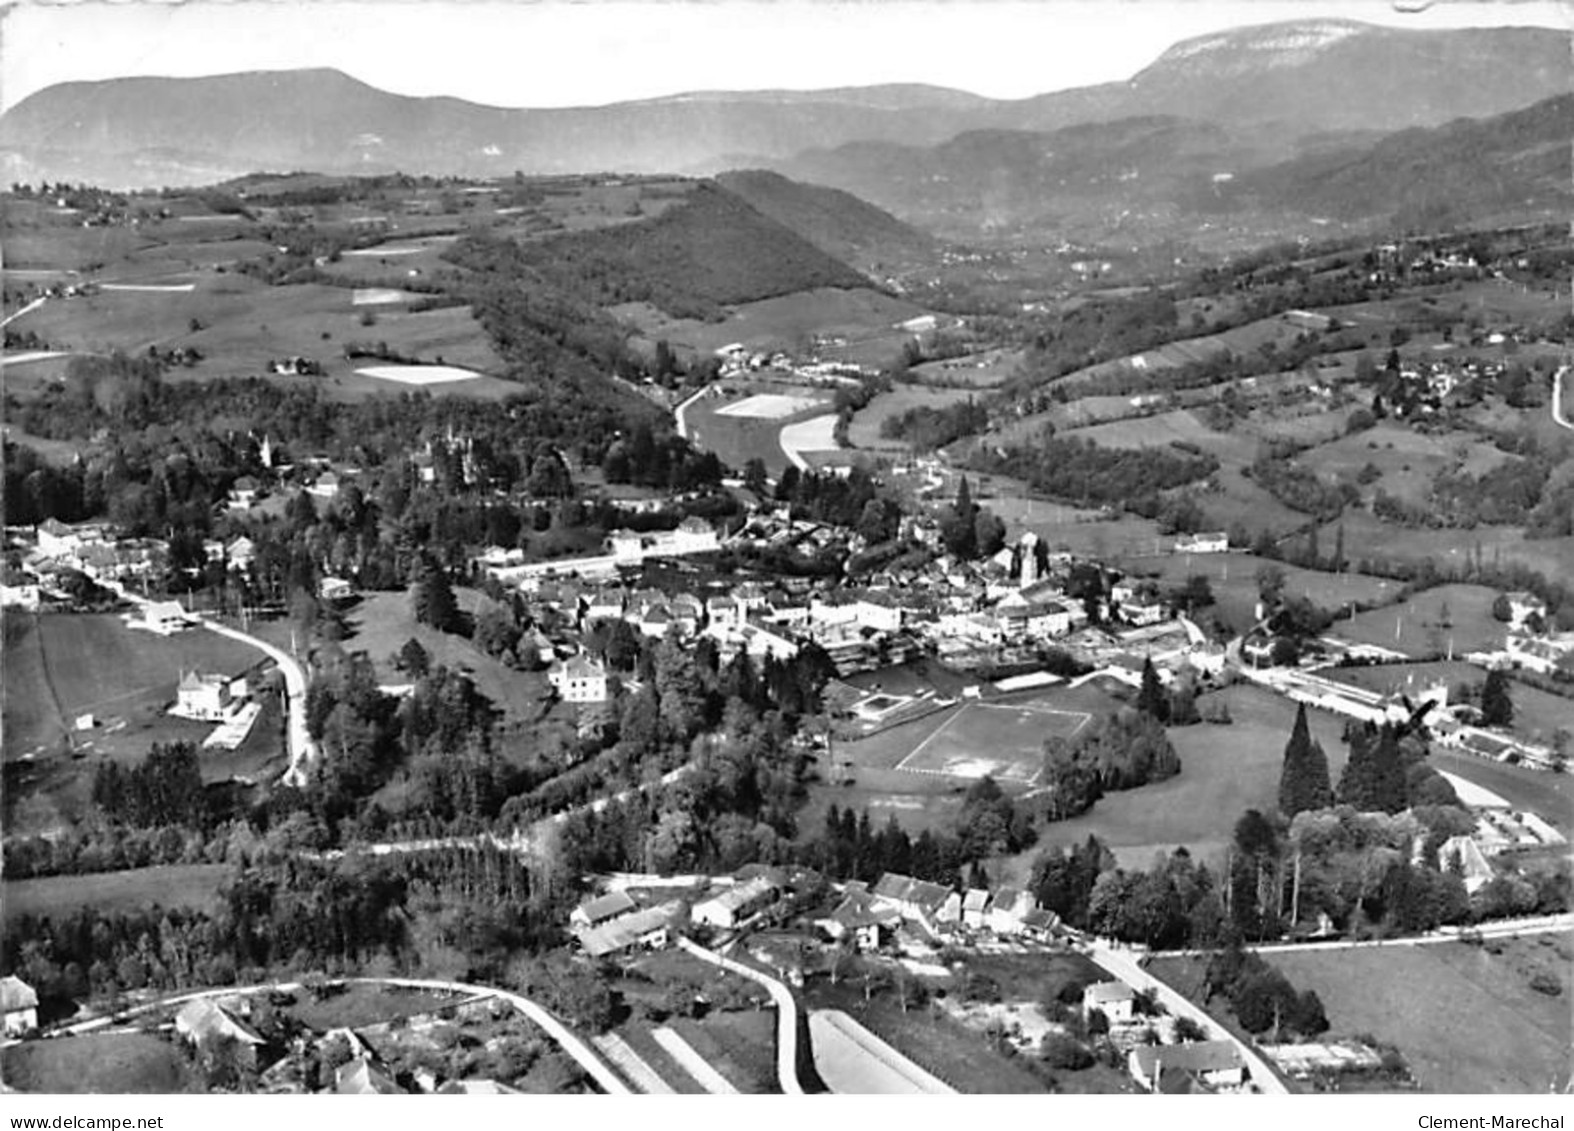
{"type": "Point", "coordinates": [1464, 1017]}
{"type": "Point", "coordinates": [1429, 622]}
{"type": "Point", "coordinates": [99, 1063]}
{"type": "Point", "coordinates": [1225, 770]}
{"type": "Point", "coordinates": [189, 886]}
{"type": "Point", "coordinates": [1165, 428]}
{"type": "Point", "coordinates": [1409, 460]}
{"type": "Point", "coordinates": [864, 431]}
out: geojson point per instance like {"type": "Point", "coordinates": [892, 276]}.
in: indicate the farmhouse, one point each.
{"type": "Point", "coordinates": [1165, 1067]}
{"type": "Point", "coordinates": [18, 1007]}
{"type": "Point", "coordinates": [204, 697]}
{"type": "Point", "coordinates": [650, 928]}
{"type": "Point", "coordinates": [579, 679]}
{"type": "Point", "coordinates": [1214, 542]}
{"type": "Point", "coordinates": [206, 1024]}
{"type": "Point", "coordinates": [1537, 654]}
{"type": "Point", "coordinates": [732, 906]}
{"type": "Point", "coordinates": [1113, 999]}
{"type": "Point", "coordinates": [918, 900]}
{"type": "Point", "coordinates": [164, 617]}
{"type": "Point", "coordinates": [975, 906]}
{"type": "Point", "coordinates": [862, 918]}
{"type": "Point", "coordinates": [1009, 909]}
{"type": "Point", "coordinates": [602, 909]}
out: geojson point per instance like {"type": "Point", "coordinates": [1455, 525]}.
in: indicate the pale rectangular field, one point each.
{"type": "Point", "coordinates": [993, 740]}
{"type": "Point", "coordinates": [418, 374]}
{"type": "Point", "coordinates": [770, 406]}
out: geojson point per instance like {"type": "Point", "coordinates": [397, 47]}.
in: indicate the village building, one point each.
{"type": "Point", "coordinates": [917, 900]}
{"type": "Point", "coordinates": [579, 679]}
{"type": "Point", "coordinates": [650, 929]}
{"type": "Point", "coordinates": [1522, 606]}
{"type": "Point", "coordinates": [1115, 1000]}
{"type": "Point", "coordinates": [18, 1007]}
{"type": "Point", "coordinates": [163, 617]}
{"type": "Point", "coordinates": [975, 908]}
{"type": "Point", "coordinates": [693, 536]}
{"type": "Point", "coordinates": [1008, 910]}
{"type": "Point", "coordinates": [862, 918]}
{"type": "Point", "coordinates": [733, 905]}
{"type": "Point", "coordinates": [206, 1025]}
{"type": "Point", "coordinates": [208, 698]}
{"type": "Point", "coordinates": [360, 1077]}
{"type": "Point", "coordinates": [244, 492]}
{"type": "Point", "coordinates": [1213, 542]}
{"type": "Point", "coordinates": [335, 589]}
{"type": "Point", "coordinates": [1162, 1068]}
{"type": "Point", "coordinates": [602, 909]}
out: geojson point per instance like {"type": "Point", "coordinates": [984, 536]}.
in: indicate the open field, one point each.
{"type": "Point", "coordinates": [1233, 577]}
{"type": "Point", "coordinates": [1536, 712]}
{"type": "Point", "coordinates": [98, 1063]}
{"type": "Point", "coordinates": [1410, 461]}
{"type": "Point", "coordinates": [74, 664]}
{"type": "Point", "coordinates": [1165, 428]}
{"type": "Point", "coordinates": [1417, 627]}
{"type": "Point", "coordinates": [170, 886]}
{"type": "Point", "coordinates": [853, 1061]}
{"type": "Point", "coordinates": [1464, 1018]}
{"type": "Point", "coordinates": [989, 739]}
{"type": "Point", "coordinates": [804, 439]}
{"type": "Point", "coordinates": [737, 439]}
{"type": "Point", "coordinates": [1549, 796]}
{"type": "Point", "coordinates": [770, 406]}
{"type": "Point", "coordinates": [1225, 770]}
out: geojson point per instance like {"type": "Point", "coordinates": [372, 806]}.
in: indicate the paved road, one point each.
{"type": "Point", "coordinates": [303, 751]}
{"type": "Point", "coordinates": [1123, 964]}
{"type": "Point", "coordinates": [1501, 929]}
{"type": "Point", "coordinates": [15, 314]}
{"type": "Point", "coordinates": [593, 1065]}
{"type": "Point", "coordinates": [786, 1014]}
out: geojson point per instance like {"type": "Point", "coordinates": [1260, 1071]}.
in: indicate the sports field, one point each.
{"type": "Point", "coordinates": [769, 406]}
{"type": "Point", "coordinates": [993, 740]}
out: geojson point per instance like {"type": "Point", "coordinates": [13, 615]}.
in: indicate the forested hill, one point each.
{"type": "Point", "coordinates": [695, 258]}
{"type": "Point", "coordinates": [838, 223]}
{"type": "Point", "coordinates": [1467, 169]}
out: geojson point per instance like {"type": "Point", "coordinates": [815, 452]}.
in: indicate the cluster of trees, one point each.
{"type": "Point", "coordinates": [927, 428]}
{"type": "Point", "coordinates": [1261, 997]}
{"type": "Point", "coordinates": [1121, 751]}
{"type": "Point", "coordinates": [970, 531]}
{"type": "Point", "coordinates": [163, 790]}
{"type": "Point", "coordinates": [1079, 470]}
{"type": "Point", "coordinates": [1299, 489]}
{"type": "Point", "coordinates": [458, 913]}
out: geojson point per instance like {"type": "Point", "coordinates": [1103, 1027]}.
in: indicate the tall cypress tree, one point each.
{"type": "Point", "coordinates": [1151, 700]}
{"type": "Point", "coordinates": [1392, 794]}
{"type": "Point", "coordinates": [1303, 782]}
{"type": "Point", "coordinates": [1358, 783]}
{"type": "Point", "coordinates": [1497, 709]}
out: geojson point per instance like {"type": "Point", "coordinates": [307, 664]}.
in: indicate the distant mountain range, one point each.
{"type": "Point", "coordinates": [1201, 129]}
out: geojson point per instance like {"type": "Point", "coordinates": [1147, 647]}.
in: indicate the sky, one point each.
{"type": "Point", "coordinates": [542, 53]}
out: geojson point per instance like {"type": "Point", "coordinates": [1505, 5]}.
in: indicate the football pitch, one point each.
{"type": "Point", "coordinates": [995, 740]}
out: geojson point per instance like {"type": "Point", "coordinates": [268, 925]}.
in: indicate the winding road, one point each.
{"type": "Point", "coordinates": [786, 1014]}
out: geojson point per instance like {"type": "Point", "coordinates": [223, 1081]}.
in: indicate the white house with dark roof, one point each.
{"type": "Point", "coordinates": [731, 906]}
{"type": "Point", "coordinates": [1115, 1000]}
{"type": "Point", "coordinates": [602, 909]}
{"type": "Point", "coordinates": [579, 679]}
{"type": "Point", "coordinates": [1215, 1064]}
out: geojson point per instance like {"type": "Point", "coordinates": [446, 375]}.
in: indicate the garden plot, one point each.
{"type": "Point", "coordinates": [419, 374]}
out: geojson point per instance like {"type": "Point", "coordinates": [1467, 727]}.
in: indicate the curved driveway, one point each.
{"type": "Point", "coordinates": [303, 750]}
{"type": "Point", "coordinates": [786, 1014]}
